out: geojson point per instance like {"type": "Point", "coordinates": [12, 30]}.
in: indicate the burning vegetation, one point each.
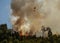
{"type": "Point", "coordinates": [28, 16]}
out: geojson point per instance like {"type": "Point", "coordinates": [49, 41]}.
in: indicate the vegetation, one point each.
{"type": "Point", "coordinates": [8, 36]}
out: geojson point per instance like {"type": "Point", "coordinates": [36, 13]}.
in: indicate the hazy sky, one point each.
{"type": "Point", "coordinates": [5, 12]}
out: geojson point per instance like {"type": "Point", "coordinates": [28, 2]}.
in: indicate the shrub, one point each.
{"type": "Point", "coordinates": [4, 41]}
{"type": "Point", "coordinates": [16, 41]}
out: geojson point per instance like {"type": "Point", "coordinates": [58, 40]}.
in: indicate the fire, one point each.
{"type": "Point", "coordinates": [29, 17]}
{"type": "Point", "coordinates": [20, 33]}
{"type": "Point", "coordinates": [25, 34]}
{"type": "Point", "coordinates": [33, 14]}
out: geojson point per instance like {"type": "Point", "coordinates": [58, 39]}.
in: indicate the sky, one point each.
{"type": "Point", "coordinates": [5, 12]}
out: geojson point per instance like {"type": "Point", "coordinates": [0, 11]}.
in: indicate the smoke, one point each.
{"type": "Point", "coordinates": [30, 15]}
{"type": "Point", "coordinates": [52, 10]}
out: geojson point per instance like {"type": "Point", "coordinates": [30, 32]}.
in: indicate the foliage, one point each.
{"type": "Point", "coordinates": [13, 37]}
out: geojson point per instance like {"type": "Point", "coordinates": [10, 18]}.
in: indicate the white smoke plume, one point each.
{"type": "Point", "coordinates": [30, 15]}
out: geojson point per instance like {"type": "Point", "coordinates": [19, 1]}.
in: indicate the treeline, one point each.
{"type": "Point", "coordinates": [8, 36]}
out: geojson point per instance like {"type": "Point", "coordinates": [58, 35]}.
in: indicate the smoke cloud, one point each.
{"type": "Point", "coordinates": [30, 15]}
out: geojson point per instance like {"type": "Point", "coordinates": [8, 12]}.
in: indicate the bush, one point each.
{"type": "Point", "coordinates": [4, 41]}
{"type": "Point", "coordinates": [16, 41]}
{"type": "Point", "coordinates": [10, 42]}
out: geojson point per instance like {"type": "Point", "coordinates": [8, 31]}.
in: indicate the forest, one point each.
{"type": "Point", "coordinates": [8, 36]}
